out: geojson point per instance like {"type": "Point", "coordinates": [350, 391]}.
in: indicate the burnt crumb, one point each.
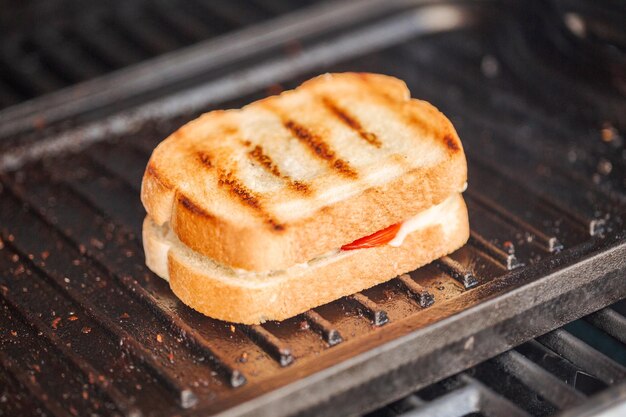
{"type": "Point", "coordinates": [124, 316]}
{"type": "Point", "coordinates": [13, 333]}
{"type": "Point", "coordinates": [98, 244]}
{"type": "Point", "coordinates": [55, 323]}
{"type": "Point", "coordinates": [303, 325]}
{"type": "Point", "coordinates": [509, 247]}
{"type": "Point", "coordinates": [86, 330]}
{"type": "Point", "coordinates": [45, 255]}
{"type": "Point", "coordinates": [15, 258]}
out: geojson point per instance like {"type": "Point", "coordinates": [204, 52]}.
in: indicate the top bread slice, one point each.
{"type": "Point", "coordinates": [293, 176]}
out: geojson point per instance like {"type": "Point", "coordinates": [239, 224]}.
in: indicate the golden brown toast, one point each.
{"type": "Point", "coordinates": [293, 176]}
{"type": "Point", "coordinates": [253, 297]}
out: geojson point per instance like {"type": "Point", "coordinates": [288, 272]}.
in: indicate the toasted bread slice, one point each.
{"type": "Point", "coordinates": [293, 176]}
{"type": "Point", "coordinates": [253, 297]}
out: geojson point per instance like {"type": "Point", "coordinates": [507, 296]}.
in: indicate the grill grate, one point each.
{"type": "Point", "coordinates": [96, 39]}
{"type": "Point", "coordinates": [547, 247]}
{"type": "Point", "coordinates": [556, 374]}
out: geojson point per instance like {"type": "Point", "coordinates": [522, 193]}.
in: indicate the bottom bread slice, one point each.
{"type": "Point", "coordinates": [252, 297]}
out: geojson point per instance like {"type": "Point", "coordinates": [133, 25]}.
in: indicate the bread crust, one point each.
{"type": "Point", "coordinates": [251, 300]}
{"type": "Point", "coordinates": [261, 242]}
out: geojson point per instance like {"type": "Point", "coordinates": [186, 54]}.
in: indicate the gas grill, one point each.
{"type": "Point", "coordinates": [493, 329]}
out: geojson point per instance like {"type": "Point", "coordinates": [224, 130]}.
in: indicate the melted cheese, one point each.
{"type": "Point", "coordinates": [429, 217]}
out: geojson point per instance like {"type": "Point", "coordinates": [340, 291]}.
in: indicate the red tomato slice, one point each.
{"type": "Point", "coordinates": [379, 238]}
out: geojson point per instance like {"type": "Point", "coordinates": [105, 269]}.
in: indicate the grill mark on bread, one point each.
{"type": "Point", "coordinates": [351, 122]}
{"type": "Point", "coordinates": [231, 183]}
{"type": "Point", "coordinates": [240, 191]}
{"type": "Point", "coordinates": [204, 158]}
{"type": "Point", "coordinates": [266, 162]}
{"type": "Point", "coordinates": [320, 148]}
{"type": "Point", "coordinates": [402, 108]}
{"type": "Point", "coordinates": [152, 171]}
{"type": "Point", "coordinates": [188, 204]}
{"type": "Point", "coordinates": [451, 143]}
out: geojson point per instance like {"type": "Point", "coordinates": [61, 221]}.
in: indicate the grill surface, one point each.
{"type": "Point", "coordinates": [567, 372]}
{"type": "Point", "coordinates": [86, 328]}
{"type": "Point", "coordinates": [96, 38]}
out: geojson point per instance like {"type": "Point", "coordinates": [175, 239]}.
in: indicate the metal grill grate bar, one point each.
{"type": "Point", "coordinates": [16, 71]}
{"type": "Point", "coordinates": [457, 271]}
{"type": "Point", "coordinates": [63, 58]}
{"type": "Point", "coordinates": [611, 322]}
{"type": "Point", "coordinates": [270, 343]}
{"type": "Point", "coordinates": [186, 25]}
{"type": "Point", "coordinates": [539, 380]}
{"type": "Point", "coordinates": [416, 291]}
{"type": "Point", "coordinates": [370, 309]}
{"type": "Point", "coordinates": [546, 242]}
{"type": "Point", "coordinates": [508, 260]}
{"type": "Point", "coordinates": [108, 45]}
{"type": "Point", "coordinates": [473, 397]}
{"type": "Point", "coordinates": [143, 34]}
{"type": "Point", "coordinates": [322, 326]}
{"type": "Point", "coordinates": [583, 356]}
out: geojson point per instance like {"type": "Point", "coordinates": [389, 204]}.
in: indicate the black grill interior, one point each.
{"type": "Point", "coordinates": [558, 371]}
{"type": "Point", "coordinates": [87, 329]}
{"type": "Point", "coordinates": [45, 46]}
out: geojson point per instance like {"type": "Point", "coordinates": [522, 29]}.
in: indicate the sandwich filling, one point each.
{"type": "Point", "coordinates": [394, 236]}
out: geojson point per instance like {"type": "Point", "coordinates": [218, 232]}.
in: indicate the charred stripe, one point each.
{"type": "Point", "coordinates": [319, 147]}
{"type": "Point", "coordinates": [351, 122]}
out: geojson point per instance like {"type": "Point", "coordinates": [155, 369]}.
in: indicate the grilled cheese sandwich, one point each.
{"type": "Point", "coordinates": [259, 214]}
